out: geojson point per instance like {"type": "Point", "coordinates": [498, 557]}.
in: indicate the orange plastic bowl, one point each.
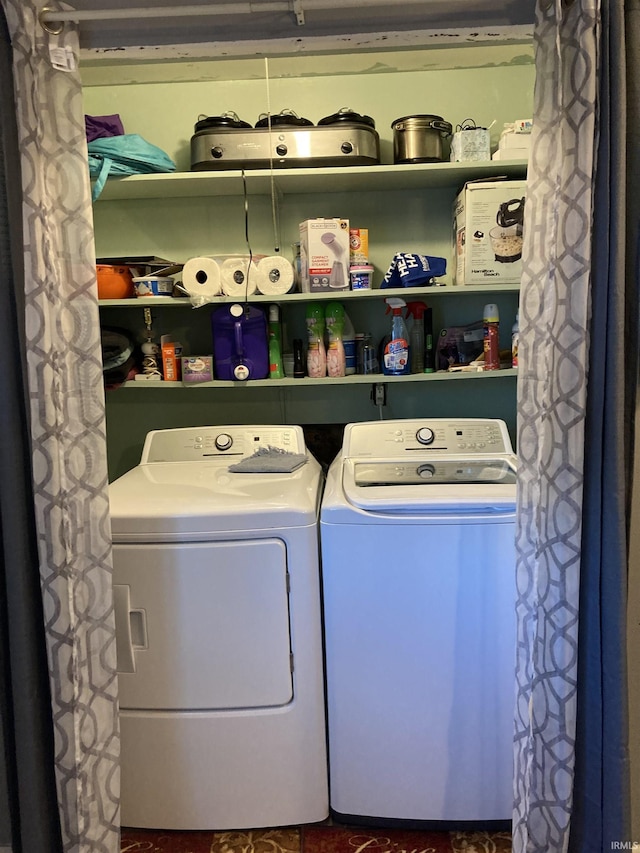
{"type": "Point", "coordinates": [114, 282]}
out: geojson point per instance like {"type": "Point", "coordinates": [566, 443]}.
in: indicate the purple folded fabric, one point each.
{"type": "Point", "coordinates": [98, 127]}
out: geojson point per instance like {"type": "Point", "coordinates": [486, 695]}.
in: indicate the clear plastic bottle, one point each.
{"type": "Point", "coordinates": [491, 322]}
{"type": "Point", "coordinates": [350, 346]}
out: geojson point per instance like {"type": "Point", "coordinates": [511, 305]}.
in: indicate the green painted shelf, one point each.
{"type": "Point", "coordinates": [380, 178]}
{"type": "Point", "coordinates": [375, 293]}
{"type": "Point", "coordinates": [326, 382]}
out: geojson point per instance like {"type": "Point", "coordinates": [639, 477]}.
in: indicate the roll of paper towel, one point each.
{"type": "Point", "coordinates": [201, 277]}
{"type": "Point", "coordinates": [238, 278]}
{"type": "Point", "coordinates": [275, 275]}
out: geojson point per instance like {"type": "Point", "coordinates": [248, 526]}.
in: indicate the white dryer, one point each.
{"type": "Point", "coordinates": [219, 638]}
{"type": "Point", "coordinates": [418, 565]}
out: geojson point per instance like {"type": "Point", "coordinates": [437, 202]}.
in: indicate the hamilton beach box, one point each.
{"type": "Point", "coordinates": [488, 219]}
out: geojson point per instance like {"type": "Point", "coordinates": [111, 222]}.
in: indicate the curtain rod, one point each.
{"type": "Point", "coordinates": [48, 15]}
{"type": "Point", "coordinates": [53, 16]}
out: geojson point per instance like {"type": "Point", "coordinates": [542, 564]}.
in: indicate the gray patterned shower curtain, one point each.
{"type": "Point", "coordinates": [67, 430]}
{"type": "Point", "coordinates": [578, 360]}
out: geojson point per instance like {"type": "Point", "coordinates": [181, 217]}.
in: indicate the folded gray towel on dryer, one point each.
{"type": "Point", "coordinates": [270, 460]}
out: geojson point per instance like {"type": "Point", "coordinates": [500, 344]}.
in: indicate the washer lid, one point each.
{"type": "Point", "coordinates": [431, 484]}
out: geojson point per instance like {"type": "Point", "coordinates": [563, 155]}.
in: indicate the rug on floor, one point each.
{"type": "Point", "coordinates": [338, 839]}
{"type": "Point", "coordinates": [314, 839]}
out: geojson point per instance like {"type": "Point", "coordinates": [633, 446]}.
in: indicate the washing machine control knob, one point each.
{"type": "Point", "coordinates": [426, 472]}
{"type": "Point", "coordinates": [223, 441]}
{"type": "Point", "coordinates": [425, 435]}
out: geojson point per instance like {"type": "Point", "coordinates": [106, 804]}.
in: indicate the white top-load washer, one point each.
{"type": "Point", "coordinates": [219, 637]}
{"type": "Point", "coordinates": [418, 566]}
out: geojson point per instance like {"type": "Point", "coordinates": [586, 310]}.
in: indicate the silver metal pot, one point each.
{"type": "Point", "coordinates": [418, 139]}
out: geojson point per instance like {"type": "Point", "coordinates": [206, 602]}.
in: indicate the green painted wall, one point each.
{"type": "Point", "coordinates": [165, 112]}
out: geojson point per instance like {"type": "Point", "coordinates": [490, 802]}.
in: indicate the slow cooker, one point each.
{"type": "Point", "coordinates": [418, 139]}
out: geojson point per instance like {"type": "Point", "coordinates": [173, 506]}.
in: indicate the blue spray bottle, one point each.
{"type": "Point", "coordinates": [395, 356]}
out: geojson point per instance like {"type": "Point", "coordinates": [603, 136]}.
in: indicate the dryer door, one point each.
{"type": "Point", "coordinates": [203, 625]}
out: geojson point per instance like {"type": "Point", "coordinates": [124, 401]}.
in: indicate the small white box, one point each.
{"type": "Point", "coordinates": [487, 232]}
{"type": "Point", "coordinates": [324, 255]}
{"type": "Point", "coordinates": [511, 154]}
{"type": "Point", "coordinates": [514, 140]}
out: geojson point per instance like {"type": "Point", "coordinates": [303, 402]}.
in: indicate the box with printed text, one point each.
{"type": "Point", "coordinates": [488, 222]}
{"type": "Point", "coordinates": [324, 255]}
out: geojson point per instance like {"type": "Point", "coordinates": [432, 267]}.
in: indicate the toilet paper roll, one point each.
{"type": "Point", "coordinates": [275, 275]}
{"type": "Point", "coordinates": [238, 278]}
{"type": "Point", "coordinates": [201, 277]}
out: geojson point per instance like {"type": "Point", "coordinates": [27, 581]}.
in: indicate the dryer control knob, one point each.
{"type": "Point", "coordinates": [223, 441]}
{"type": "Point", "coordinates": [425, 435]}
{"type": "Point", "coordinates": [426, 472]}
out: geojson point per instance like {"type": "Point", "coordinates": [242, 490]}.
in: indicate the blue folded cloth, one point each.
{"type": "Point", "coordinates": [410, 270]}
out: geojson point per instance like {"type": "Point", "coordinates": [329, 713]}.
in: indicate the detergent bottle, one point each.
{"type": "Point", "coordinates": [395, 356]}
{"type": "Point", "coordinates": [334, 318]}
{"type": "Point", "coordinates": [275, 343]}
{"type": "Point", "coordinates": [416, 335]}
{"type": "Point", "coordinates": [316, 353]}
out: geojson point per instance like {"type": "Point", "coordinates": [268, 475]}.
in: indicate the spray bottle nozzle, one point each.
{"type": "Point", "coordinates": [394, 305]}
{"type": "Point", "coordinates": [416, 309]}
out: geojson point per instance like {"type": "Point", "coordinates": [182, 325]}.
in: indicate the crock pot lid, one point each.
{"type": "Point", "coordinates": [229, 119]}
{"type": "Point", "coordinates": [286, 118]}
{"type": "Point", "coordinates": [420, 120]}
{"type": "Point", "coordinates": [345, 114]}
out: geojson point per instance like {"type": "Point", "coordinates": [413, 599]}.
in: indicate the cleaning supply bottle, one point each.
{"type": "Point", "coordinates": [491, 323]}
{"type": "Point", "coordinates": [334, 318]}
{"type": "Point", "coordinates": [350, 346]}
{"type": "Point", "coordinates": [515, 340]}
{"type": "Point", "coordinates": [298, 361]}
{"type": "Point", "coordinates": [275, 343]}
{"type": "Point", "coordinates": [316, 353]}
{"type": "Point", "coordinates": [395, 357]}
{"type": "Point", "coordinates": [429, 354]}
{"type": "Point", "coordinates": [416, 335]}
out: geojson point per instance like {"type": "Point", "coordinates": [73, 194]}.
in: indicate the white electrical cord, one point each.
{"type": "Point", "coordinates": [246, 237]}
{"type": "Point", "coordinates": [274, 212]}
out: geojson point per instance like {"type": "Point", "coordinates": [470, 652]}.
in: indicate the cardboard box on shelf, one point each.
{"type": "Point", "coordinates": [171, 359]}
{"type": "Point", "coordinates": [488, 221]}
{"type": "Point", "coordinates": [197, 368]}
{"type": "Point", "coordinates": [324, 255]}
{"type": "Point", "coordinates": [511, 154]}
{"type": "Point", "coordinates": [514, 140]}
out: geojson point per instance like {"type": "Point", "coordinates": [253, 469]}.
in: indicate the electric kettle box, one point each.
{"type": "Point", "coordinates": [488, 221]}
{"type": "Point", "coordinates": [324, 255]}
